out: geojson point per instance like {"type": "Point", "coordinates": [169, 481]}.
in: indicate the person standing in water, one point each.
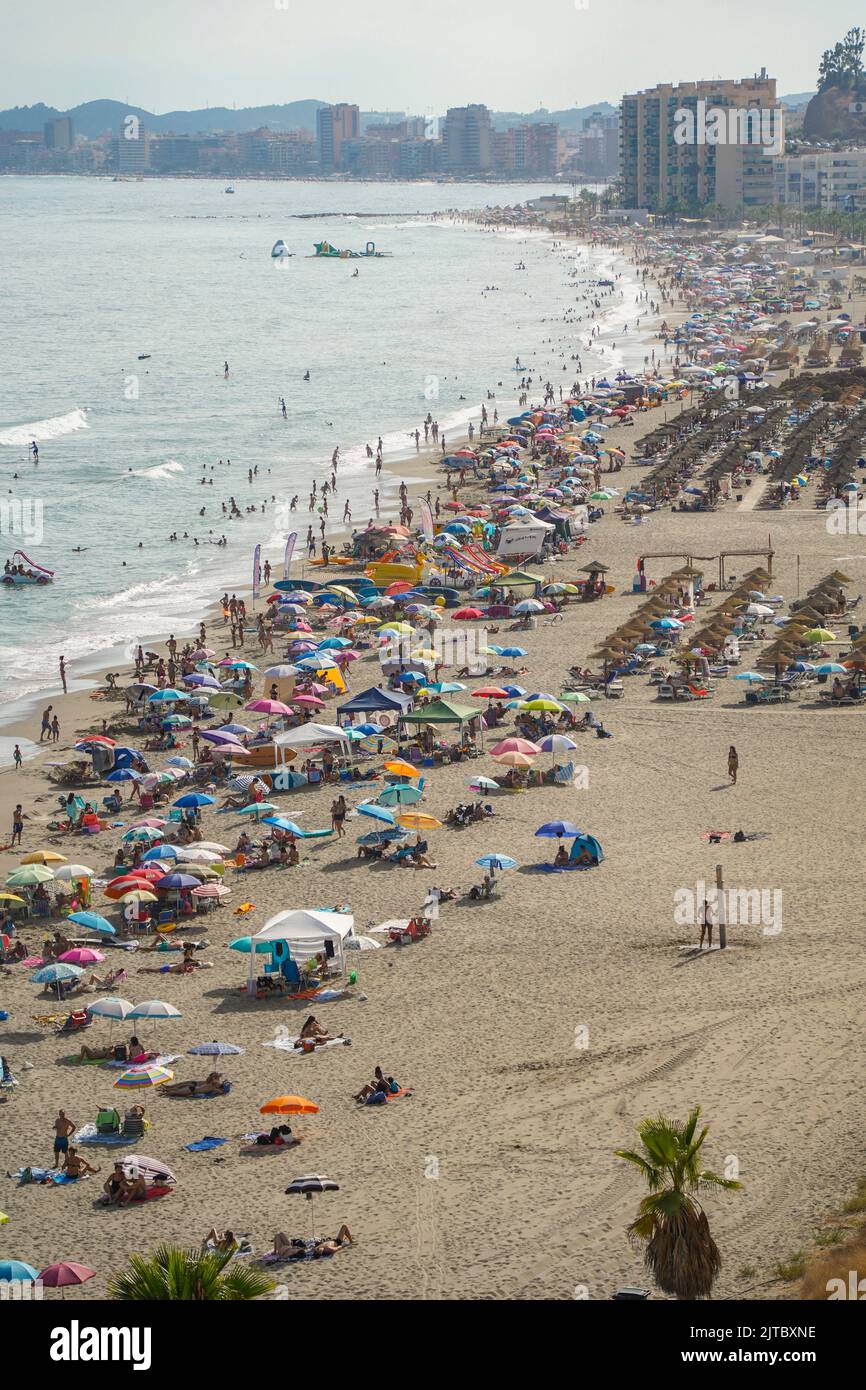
{"type": "Point", "coordinates": [63, 673]}
{"type": "Point", "coordinates": [226, 370]}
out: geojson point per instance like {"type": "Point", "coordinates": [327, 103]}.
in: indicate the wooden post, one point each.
{"type": "Point", "coordinates": [720, 903]}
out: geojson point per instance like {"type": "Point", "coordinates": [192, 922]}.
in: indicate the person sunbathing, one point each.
{"type": "Point", "coordinates": [286, 1248]}
{"type": "Point", "coordinates": [561, 857]}
{"type": "Point", "coordinates": [312, 1028]}
{"type": "Point", "coordinates": [95, 1054]}
{"type": "Point", "coordinates": [330, 1246]}
{"type": "Point", "coordinates": [279, 1135]}
{"type": "Point", "coordinates": [115, 1185]}
{"type": "Point", "coordinates": [225, 1243]}
{"type": "Point", "coordinates": [75, 1166]}
{"type": "Point", "coordinates": [212, 1084]}
{"type": "Point", "coordinates": [380, 1085]}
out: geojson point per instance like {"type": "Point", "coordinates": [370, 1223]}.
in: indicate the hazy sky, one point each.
{"type": "Point", "coordinates": [415, 55]}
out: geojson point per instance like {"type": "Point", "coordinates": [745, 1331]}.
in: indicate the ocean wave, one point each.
{"type": "Point", "coordinates": [51, 428]}
{"type": "Point", "coordinates": [159, 471]}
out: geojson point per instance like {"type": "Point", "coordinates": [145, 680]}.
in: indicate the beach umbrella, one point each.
{"type": "Point", "coordinates": [515, 745]}
{"type": "Point", "coordinates": [366, 808]}
{"type": "Point", "coordinates": [815, 634]}
{"type": "Point", "coordinates": [244, 943]}
{"type": "Point", "coordinates": [177, 880]}
{"type": "Point", "coordinates": [81, 955]}
{"type": "Point", "coordinates": [17, 1272]}
{"type": "Point", "coordinates": [65, 1274]}
{"type": "Point", "coordinates": [384, 837]}
{"type": "Point", "coordinates": [219, 737]}
{"type": "Point", "coordinates": [29, 876]}
{"type": "Point", "coordinates": [557, 743]}
{"type": "Point", "coordinates": [44, 857]}
{"type": "Point", "coordinates": [830, 668]}
{"type": "Point", "coordinates": [575, 697]}
{"type": "Point", "coordinates": [529, 605]}
{"type": "Point", "coordinates": [216, 1049]}
{"type": "Point", "coordinates": [268, 707]}
{"type": "Point", "coordinates": [557, 828]}
{"type": "Point", "coordinates": [225, 699]}
{"type": "Point", "coordinates": [256, 808]}
{"type": "Point", "coordinates": [362, 943]}
{"type": "Point", "coordinates": [308, 1186]}
{"type": "Point", "coordinates": [540, 702]}
{"type": "Point", "coordinates": [212, 890]}
{"type": "Point", "coordinates": [154, 1008]}
{"type": "Point", "coordinates": [514, 759]}
{"type": "Point", "coordinates": [181, 762]}
{"type": "Point", "coordinates": [483, 784]}
{"type": "Point", "coordinates": [496, 861]}
{"type": "Point", "coordinates": [110, 1007]}
{"type": "Point", "coordinates": [490, 692]}
{"type": "Point", "coordinates": [750, 676]}
{"type": "Point", "coordinates": [289, 1105]}
{"type": "Point", "coordinates": [510, 651]}
{"type": "Point", "coordinates": [55, 973]}
{"type": "Point", "coordinates": [11, 898]}
{"type": "Point", "coordinates": [143, 832]}
{"type": "Point", "coordinates": [416, 820]}
{"type": "Point", "coordinates": [160, 852]}
{"type": "Point", "coordinates": [70, 872]}
{"type": "Point", "coordinates": [165, 696]}
{"type": "Point", "coordinates": [197, 871]}
{"type": "Point", "coordinates": [141, 1078]}
{"type": "Point", "coordinates": [93, 921]}
{"type": "Point", "coordinates": [403, 795]}
{"type": "Point", "coordinates": [401, 768]}
{"type": "Point", "coordinates": [194, 799]}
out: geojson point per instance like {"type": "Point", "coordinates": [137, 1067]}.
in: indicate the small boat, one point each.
{"type": "Point", "coordinates": [25, 571]}
{"type": "Point", "coordinates": [228, 189]}
{"type": "Point", "coordinates": [280, 249]}
{"type": "Point", "coordinates": [325, 250]}
{"type": "Point", "coordinates": [144, 357]}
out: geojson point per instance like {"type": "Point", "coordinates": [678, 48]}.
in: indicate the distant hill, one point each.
{"type": "Point", "coordinates": [94, 118]}
{"type": "Point", "coordinates": [798, 101]}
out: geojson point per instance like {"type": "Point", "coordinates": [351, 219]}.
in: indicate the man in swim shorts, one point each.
{"type": "Point", "coordinates": [63, 1130]}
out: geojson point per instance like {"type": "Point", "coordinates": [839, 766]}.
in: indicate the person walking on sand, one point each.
{"type": "Point", "coordinates": [63, 674]}
{"type": "Point", "coordinates": [706, 925]}
{"type": "Point", "coordinates": [63, 1131]}
{"type": "Point", "coordinates": [55, 729]}
{"type": "Point", "coordinates": [46, 723]}
{"type": "Point", "coordinates": [16, 755]}
{"type": "Point", "coordinates": [733, 764]}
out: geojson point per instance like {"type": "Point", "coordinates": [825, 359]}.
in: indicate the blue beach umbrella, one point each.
{"type": "Point", "coordinates": [179, 761]}
{"type": "Point", "coordinates": [123, 774]}
{"type": "Point", "coordinates": [496, 861]}
{"type": "Point", "coordinates": [190, 799]}
{"type": "Point", "coordinates": [165, 696]}
{"type": "Point", "coordinates": [93, 921]}
{"type": "Point", "coordinates": [282, 823]}
{"type": "Point", "coordinates": [244, 943]}
{"type": "Point", "coordinates": [384, 837]}
{"type": "Point", "coordinates": [376, 813]}
{"type": "Point", "coordinates": [17, 1272]}
{"type": "Point", "coordinates": [160, 852]}
{"type": "Point", "coordinates": [555, 829]}
{"type": "Point", "coordinates": [400, 796]}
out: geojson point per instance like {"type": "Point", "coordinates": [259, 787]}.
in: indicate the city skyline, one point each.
{"type": "Point", "coordinates": [277, 51]}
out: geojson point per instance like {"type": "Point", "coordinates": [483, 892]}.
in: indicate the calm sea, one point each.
{"type": "Point", "coordinates": [96, 274]}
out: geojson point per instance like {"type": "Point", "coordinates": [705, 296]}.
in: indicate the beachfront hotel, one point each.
{"type": "Point", "coordinates": [657, 169]}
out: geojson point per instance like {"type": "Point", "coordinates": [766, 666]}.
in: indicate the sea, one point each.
{"type": "Point", "coordinates": [122, 300]}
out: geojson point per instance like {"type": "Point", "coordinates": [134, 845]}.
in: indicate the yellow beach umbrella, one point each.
{"type": "Point", "coordinates": [416, 820]}
{"type": "Point", "coordinates": [402, 769]}
{"type": "Point", "coordinates": [10, 898]}
{"type": "Point", "coordinates": [44, 856]}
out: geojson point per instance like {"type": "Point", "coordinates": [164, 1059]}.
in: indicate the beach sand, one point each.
{"type": "Point", "coordinates": [536, 1030]}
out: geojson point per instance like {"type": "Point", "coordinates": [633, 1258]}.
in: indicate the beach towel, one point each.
{"type": "Point", "coordinates": [203, 1145]}
{"type": "Point", "coordinates": [288, 1045]}
{"type": "Point", "coordinates": [720, 836]}
{"type": "Point", "coordinates": [559, 868]}
{"type": "Point", "coordinates": [223, 1090]}
{"type": "Point", "coordinates": [88, 1134]}
{"type": "Point", "coordinates": [256, 1150]}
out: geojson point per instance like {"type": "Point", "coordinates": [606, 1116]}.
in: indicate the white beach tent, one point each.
{"type": "Point", "coordinates": [311, 735]}
{"type": "Point", "coordinates": [306, 931]}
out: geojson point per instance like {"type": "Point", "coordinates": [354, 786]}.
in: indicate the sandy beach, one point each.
{"type": "Point", "coordinates": [535, 1030]}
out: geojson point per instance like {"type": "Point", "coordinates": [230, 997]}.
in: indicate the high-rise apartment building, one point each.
{"type": "Point", "coordinates": [467, 140]}
{"type": "Point", "coordinates": [58, 134]}
{"type": "Point", "coordinates": [335, 125]}
{"type": "Point", "coordinates": [701, 142]}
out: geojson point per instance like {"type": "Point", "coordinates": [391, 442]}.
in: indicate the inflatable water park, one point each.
{"type": "Point", "coordinates": [325, 251]}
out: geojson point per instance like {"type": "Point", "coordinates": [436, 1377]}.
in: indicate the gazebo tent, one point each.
{"type": "Point", "coordinates": [375, 699]}
{"type": "Point", "coordinates": [311, 736]}
{"type": "Point", "coordinates": [305, 932]}
{"type": "Point", "coordinates": [442, 712]}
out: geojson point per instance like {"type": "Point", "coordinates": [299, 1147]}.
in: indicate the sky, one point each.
{"type": "Point", "coordinates": [420, 56]}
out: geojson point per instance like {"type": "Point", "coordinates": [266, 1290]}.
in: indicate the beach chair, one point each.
{"type": "Point", "coordinates": [108, 1122]}
{"type": "Point", "coordinates": [134, 1126]}
{"type": "Point", "coordinates": [665, 691]}
{"type": "Point", "coordinates": [614, 690]}
{"type": "Point", "coordinates": [564, 774]}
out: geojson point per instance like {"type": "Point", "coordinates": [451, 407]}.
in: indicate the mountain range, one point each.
{"type": "Point", "coordinates": [94, 118]}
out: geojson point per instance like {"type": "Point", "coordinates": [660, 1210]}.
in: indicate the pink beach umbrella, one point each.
{"type": "Point", "coordinates": [268, 707]}
{"type": "Point", "coordinates": [82, 955]}
{"type": "Point", "coordinates": [515, 745]}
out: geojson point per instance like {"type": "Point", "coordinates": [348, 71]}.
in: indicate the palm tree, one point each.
{"type": "Point", "coordinates": [671, 1224]}
{"type": "Point", "coordinates": [188, 1276]}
